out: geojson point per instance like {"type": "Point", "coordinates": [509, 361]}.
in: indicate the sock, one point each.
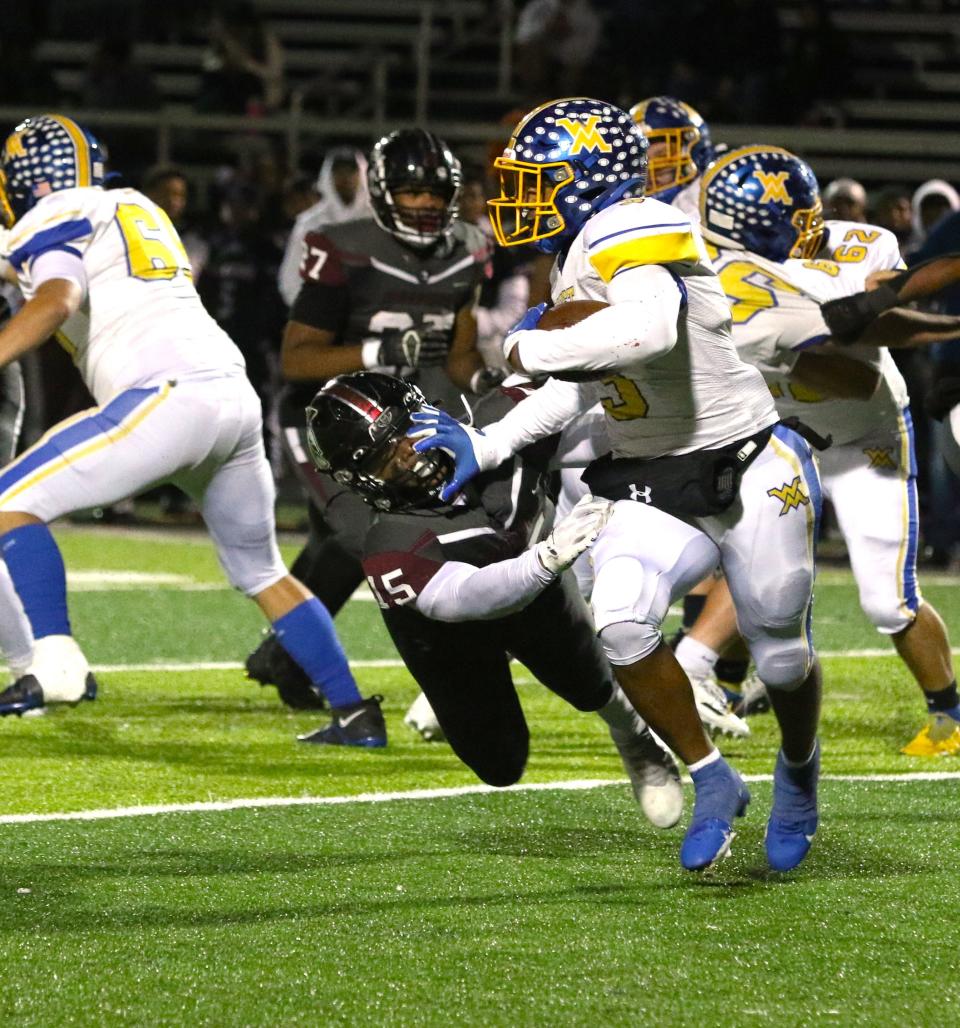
{"type": "Point", "coordinates": [37, 572]}
{"type": "Point", "coordinates": [16, 637]}
{"type": "Point", "coordinates": [731, 671]}
{"type": "Point", "coordinates": [705, 762]}
{"type": "Point", "coordinates": [308, 635]}
{"type": "Point", "coordinates": [695, 658]}
{"type": "Point", "coordinates": [944, 701]}
{"type": "Point", "coordinates": [796, 765]}
{"type": "Point", "coordinates": [619, 714]}
{"type": "Point", "coordinates": [693, 604]}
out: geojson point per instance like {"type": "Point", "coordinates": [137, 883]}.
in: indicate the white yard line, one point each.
{"type": "Point", "coordinates": [232, 665]}
{"type": "Point", "coordinates": [412, 794]}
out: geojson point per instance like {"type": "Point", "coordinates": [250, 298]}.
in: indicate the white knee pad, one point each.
{"type": "Point", "coordinates": [782, 663]}
{"type": "Point", "coordinates": [626, 642]}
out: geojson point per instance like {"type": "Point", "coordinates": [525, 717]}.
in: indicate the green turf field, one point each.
{"type": "Point", "coordinates": [555, 906]}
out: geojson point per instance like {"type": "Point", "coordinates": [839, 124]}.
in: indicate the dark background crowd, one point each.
{"type": "Point", "coordinates": [234, 196]}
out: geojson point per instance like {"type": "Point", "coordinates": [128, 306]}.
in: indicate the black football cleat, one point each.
{"type": "Point", "coordinates": [26, 696]}
{"type": "Point", "coordinates": [270, 664]}
{"type": "Point", "coordinates": [361, 724]}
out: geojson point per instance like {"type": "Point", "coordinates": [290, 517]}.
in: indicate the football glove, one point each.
{"type": "Point", "coordinates": [434, 429]}
{"type": "Point", "coordinates": [434, 347]}
{"type": "Point", "coordinates": [574, 533]}
{"type": "Point", "coordinates": [399, 347]}
{"type": "Point", "coordinates": [527, 322]}
{"type": "Point", "coordinates": [486, 380]}
{"type": "Point", "coordinates": [849, 316]}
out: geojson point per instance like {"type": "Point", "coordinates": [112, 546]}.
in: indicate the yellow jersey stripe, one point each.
{"type": "Point", "coordinates": [120, 432]}
{"type": "Point", "coordinates": [665, 248]}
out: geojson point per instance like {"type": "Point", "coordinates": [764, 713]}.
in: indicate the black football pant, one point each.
{"type": "Point", "coordinates": [464, 670]}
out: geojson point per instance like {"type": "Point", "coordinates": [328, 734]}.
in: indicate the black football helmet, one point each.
{"type": "Point", "coordinates": [353, 425]}
{"type": "Point", "coordinates": [417, 161]}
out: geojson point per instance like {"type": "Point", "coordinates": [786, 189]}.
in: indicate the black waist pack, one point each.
{"type": "Point", "coordinates": [694, 484]}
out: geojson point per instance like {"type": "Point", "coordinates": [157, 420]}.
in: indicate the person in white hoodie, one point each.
{"type": "Point", "coordinates": [929, 204]}
{"type": "Point", "coordinates": [342, 185]}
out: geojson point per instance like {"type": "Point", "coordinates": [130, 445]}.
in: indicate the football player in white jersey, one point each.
{"type": "Point", "coordinates": [106, 272]}
{"type": "Point", "coordinates": [699, 468]}
{"type": "Point", "coordinates": [679, 150]}
{"type": "Point", "coordinates": [752, 200]}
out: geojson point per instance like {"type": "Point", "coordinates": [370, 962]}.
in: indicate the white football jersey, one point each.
{"type": "Point", "coordinates": [776, 315]}
{"type": "Point", "coordinates": [688, 201]}
{"type": "Point", "coordinates": [141, 321]}
{"type": "Point", "coordinates": [700, 395]}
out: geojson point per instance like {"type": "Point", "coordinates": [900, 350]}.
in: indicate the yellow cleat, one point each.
{"type": "Point", "coordinates": [939, 737]}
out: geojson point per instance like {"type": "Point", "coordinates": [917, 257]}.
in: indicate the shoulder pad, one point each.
{"type": "Point", "coordinates": [56, 221]}
{"type": "Point", "coordinates": [636, 232]}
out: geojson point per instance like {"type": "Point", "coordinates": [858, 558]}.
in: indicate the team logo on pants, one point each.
{"type": "Point", "coordinates": [881, 457]}
{"type": "Point", "coordinates": [791, 495]}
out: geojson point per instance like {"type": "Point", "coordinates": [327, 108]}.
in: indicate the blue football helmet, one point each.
{"type": "Point", "coordinates": [564, 162]}
{"type": "Point", "coordinates": [765, 200]}
{"type": "Point", "coordinates": [679, 140]}
{"type": "Point", "coordinates": [43, 154]}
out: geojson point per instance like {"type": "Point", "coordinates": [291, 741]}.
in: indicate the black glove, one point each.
{"type": "Point", "coordinates": [486, 379]}
{"type": "Point", "coordinates": [942, 398]}
{"type": "Point", "coordinates": [400, 347]}
{"type": "Point", "coordinates": [434, 347]}
{"type": "Point", "coordinates": [848, 317]}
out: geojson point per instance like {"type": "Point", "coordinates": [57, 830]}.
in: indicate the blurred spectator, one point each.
{"type": "Point", "coordinates": [505, 292]}
{"type": "Point", "coordinates": [555, 41]}
{"type": "Point", "coordinates": [891, 209]}
{"type": "Point", "coordinates": [167, 186]}
{"type": "Point", "coordinates": [845, 199]}
{"type": "Point", "coordinates": [113, 81]}
{"type": "Point", "coordinates": [815, 69]}
{"type": "Point", "coordinates": [238, 286]}
{"type": "Point", "coordinates": [244, 63]}
{"type": "Point", "coordinates": [342, 187]}
{"type": "Point", "coordinates": [299, 194]}
{"type": "Point", "coordinates": [930, 203]}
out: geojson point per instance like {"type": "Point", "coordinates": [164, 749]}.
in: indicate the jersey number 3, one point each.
{"type": "Point", "coordinates": [154, 250]}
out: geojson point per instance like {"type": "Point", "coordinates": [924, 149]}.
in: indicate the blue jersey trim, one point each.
{"type": "Point", "coordinates": [58, 444]}
{"type": "Point", "coordinates": [638, 228]}
{"type": "Point", "coordinates": [911, 591]}
{"type": "Point", "coordinates": [812, 341]}
{"type": "Point", "coordinates": [50, 239]}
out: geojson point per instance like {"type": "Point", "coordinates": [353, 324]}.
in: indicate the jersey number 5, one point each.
{"type": "Point", "coordinates": [389, 591]}
{"type": "Point", "coordinates": [154, 250]}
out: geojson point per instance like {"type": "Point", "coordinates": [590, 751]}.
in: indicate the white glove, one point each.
{"type": "Point", "coordinates": [573, 534]}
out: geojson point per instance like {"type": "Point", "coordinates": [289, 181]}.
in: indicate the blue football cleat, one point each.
{"type": "Point", "coordinates": [721, 796]}
{"type": "Point", "coordinates": [793, 819]}
{"type": "Point", "coordinates": [359, 725]}
{"type": "Point", "coordinates": [25, 696]}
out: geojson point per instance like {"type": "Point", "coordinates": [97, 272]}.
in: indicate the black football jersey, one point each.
{"type": "Point", "coordinates": [503, 514]}
{"type": "Point", "coordinates": [359, 280]}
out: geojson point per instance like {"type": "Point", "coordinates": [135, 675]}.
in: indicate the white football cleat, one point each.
{"type": "Point", "coordinates": [653, 774]}
{"type": "Point", "coordinates": [421, 718]}
{"type": "Point", "coordinates": [714, 709]}
{"type": "Point", "coordinates": [61, 669]}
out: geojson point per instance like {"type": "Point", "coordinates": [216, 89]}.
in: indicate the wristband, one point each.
{"type": "Point", "coordinates": [370, 353]}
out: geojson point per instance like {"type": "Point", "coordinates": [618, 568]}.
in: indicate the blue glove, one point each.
{"type": "Point", "coordinates": [529, 320]}
{"type": "Point", "coordinates": [434, 429]}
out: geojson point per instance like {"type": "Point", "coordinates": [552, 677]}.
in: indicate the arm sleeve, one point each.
{"type": "Point", "coordinates": [639, 325]}
{"type": "Point", "coordinates": [547, 411]}
{"type": "Point", "coordinates": [58, 264]}
{"type": "Point", "coordinates": [462, 592]}
{"type": "Point", "coordinates": [511, 305]}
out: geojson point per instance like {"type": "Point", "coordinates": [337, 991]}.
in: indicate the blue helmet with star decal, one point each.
{"type": "Point", "coordinates": [43, 154]}
{"type": "Point", "coordinates": [565, 161]}
{"type": "Point", "coordinates": [763, 199]}
{"type": "Point", "coordinates": [679, 141]}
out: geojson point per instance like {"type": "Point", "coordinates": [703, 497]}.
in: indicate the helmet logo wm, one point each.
{"type": "Point", "coordinates": [584, 134]}
{"type": "Point", "coordinates": [14, 147]}
{"type": "Point", "coordinates": [774, 187]}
